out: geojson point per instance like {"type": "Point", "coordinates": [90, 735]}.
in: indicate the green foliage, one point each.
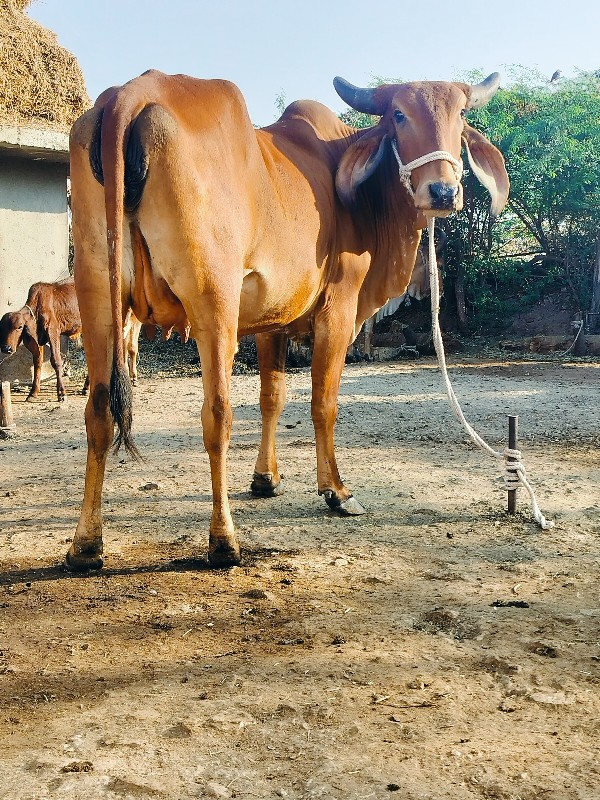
{"type": "Point", "coordinates": [546, 239]}
{"type": "Point", "coordinates": [356, 119]}
{"type": "Point", "coordinates": [280, 101]}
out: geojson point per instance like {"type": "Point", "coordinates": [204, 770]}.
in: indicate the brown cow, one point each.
{"type": "Point", "coordinates": [186, 213]}
{"type": "Point", "coordinates": [51, 310]}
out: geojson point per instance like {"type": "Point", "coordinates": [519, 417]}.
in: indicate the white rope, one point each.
{"type": "Point", "coordinates": [404, 170]}
{"type": "Point", "coordinates": [515, 474]}
{"type": "Point", "coordinates": [30, 311]}
{"type": "Point", "coordinates": [574, 342]}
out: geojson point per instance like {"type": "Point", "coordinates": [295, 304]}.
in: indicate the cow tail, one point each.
{"type": "Point", "coordinates": [115, 124]}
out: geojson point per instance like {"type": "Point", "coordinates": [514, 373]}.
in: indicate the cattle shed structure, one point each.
{"type": "Point", "coordinates": [42, 92]}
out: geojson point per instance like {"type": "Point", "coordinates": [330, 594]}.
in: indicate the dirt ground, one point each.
{"type": "Point", "coordinates": [432, 649]}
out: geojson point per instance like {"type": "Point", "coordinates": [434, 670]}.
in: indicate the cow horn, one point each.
{"type": "Point", "coordinates": [359, 99]}
{"type": "Point", "coordinates": [482, 93]}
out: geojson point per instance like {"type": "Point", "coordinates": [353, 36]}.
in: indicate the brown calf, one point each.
{"type": "Point", "coordinates": [51, 310]}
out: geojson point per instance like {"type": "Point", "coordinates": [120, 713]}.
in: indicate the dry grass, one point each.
{"type": "Point", "coordinates": [41, 83]}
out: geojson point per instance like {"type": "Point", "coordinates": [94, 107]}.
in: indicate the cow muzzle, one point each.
{"type": "Point", "coordinates": [6, 349]}
{"type": "Point", "coordinates": [438, 197]}
{"type": "Point", "coordinates": [443, 196]}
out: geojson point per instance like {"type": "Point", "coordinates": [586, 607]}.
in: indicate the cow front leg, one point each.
{"type": "Point", "coordinates": [86, 551]}
{"type": "Point", "coordinates": [217, 349]}
{"type": "Point", "coordinates": [132, 348]}
{"type": "Point", "coordinates": [329, 352]}
{"type": "Point", "coordinates": [37, 352]}
{"type": "Point", "coordinates": [57, 363]}
{"type": "Point", "coordinates": [132, 355]}
{"type": "Point", "coordinates": [271, 349]}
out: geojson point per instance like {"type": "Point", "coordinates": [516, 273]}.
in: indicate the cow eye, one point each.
{"type": "Point", "coordinates": [399, 116]}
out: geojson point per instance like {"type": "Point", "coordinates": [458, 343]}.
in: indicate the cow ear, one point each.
{"type": "Point", "coordinates": [487, 163]}
{"type": "Point", "coordinates": [358, 163]}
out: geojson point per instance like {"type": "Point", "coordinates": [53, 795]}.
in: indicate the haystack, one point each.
{"type": "Point", "coordinates": [41, 84]}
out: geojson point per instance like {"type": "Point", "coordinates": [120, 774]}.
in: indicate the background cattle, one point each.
{"type": "Point", "coordinates": [51, 311]}
{"type": "Point", "coordinates": [131, 336]}
{"type": "Point", "coordinates": [186, 213]}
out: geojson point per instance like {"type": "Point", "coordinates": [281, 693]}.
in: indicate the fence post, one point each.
{"type": "Point", "coordinates": [7, 422]}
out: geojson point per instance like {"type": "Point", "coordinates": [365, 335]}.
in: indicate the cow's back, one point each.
{"type": "Point", "coordinates": [55, 304]}
{"type": "Point", "coordinates": [213, 200]}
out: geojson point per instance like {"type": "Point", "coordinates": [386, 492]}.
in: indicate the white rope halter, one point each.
{"type": "Point", "coordinates": [404, 170]}
{"type": "Point", "coordinates": [514, 468]}
{"type": "Point", "coordinates": [30, 311]}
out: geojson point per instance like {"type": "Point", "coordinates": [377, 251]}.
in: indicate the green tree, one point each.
{"type": "Point", "coordinates": [547, 237]}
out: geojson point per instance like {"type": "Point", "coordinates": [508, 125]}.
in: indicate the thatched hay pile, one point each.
{"type": "Point", "coordinates": [41, 83]}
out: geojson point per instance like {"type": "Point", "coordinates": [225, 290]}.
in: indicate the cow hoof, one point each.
{"type": "Point", "coordinates": [351, 508]}
{"type": "Point", "coordinates": [262, 485]}
{"type": "Point", "coordinates": [31, 398]}
{"type": "Point", "coordinates": [346, 508]}
{"type": "Point", "coordinates": [84, 561]}
{"type": "Point", "coordinates": [223, 555]}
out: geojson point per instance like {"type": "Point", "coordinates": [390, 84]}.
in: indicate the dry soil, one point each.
{"type": "Point", "coordinates": [432, 649]}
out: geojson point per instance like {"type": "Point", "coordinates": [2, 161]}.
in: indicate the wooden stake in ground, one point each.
{"type": "Point", "coordinates": [7, 422]}
{"type": "Point", "coordinates": [513, 433]}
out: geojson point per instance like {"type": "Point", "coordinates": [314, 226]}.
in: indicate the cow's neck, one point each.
{"type": "Point", "coordinates": [389, 230]}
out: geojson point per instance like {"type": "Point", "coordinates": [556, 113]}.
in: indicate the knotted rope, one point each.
{"type": "Point", "coordinates": [514, 474]}
{"type": "Point", "coordinates": [404, 170]}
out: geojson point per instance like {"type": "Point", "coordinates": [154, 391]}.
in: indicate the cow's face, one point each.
{"type": "Point", "coordinates": [422, 119]}
{"type": "Point", "coordinates": [424, 123]}
{"type": "Point", "coordinates": [14, 325]}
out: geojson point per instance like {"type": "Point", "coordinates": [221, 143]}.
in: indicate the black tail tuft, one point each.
{"type": "Point", "coordinates": [120, 400]}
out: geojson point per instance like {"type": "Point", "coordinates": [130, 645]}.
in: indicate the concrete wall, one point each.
{"type": "Point", "coordinates": [34, 237]}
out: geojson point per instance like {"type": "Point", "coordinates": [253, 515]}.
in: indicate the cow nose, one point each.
{"type": "Point", "coordinates": [442, 195]}
{"type": "Point", "coordinates": [7, 349]}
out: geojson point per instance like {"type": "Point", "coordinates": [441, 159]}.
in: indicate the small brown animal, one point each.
{"type": "Point", "coordinates": [51, 310]}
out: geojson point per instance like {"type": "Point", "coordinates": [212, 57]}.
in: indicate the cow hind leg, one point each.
{"type": "Point", "coordinates": [271, 349]}
{"type": "Point", "coordinates": [217, 349]}
{"type": "Point", "coordinates": [85, 552]}
{"type": "Point", "coordinates": [106, 399]}
{"type": "Point", "coordinates": [109, 401]}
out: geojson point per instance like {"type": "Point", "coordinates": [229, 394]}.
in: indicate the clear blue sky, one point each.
{"type": "Point", "coordinates": [268, 47]}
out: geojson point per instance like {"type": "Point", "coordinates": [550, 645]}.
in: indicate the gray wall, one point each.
{"type": "Point", "coordinates": [34, 237]}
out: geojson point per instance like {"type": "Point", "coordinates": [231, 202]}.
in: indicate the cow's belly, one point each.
{"type": "Point", "coordinates": [269, 301]}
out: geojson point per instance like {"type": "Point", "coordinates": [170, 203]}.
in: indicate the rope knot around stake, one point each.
{"type": "Point", "coordinates": [515, 474]}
